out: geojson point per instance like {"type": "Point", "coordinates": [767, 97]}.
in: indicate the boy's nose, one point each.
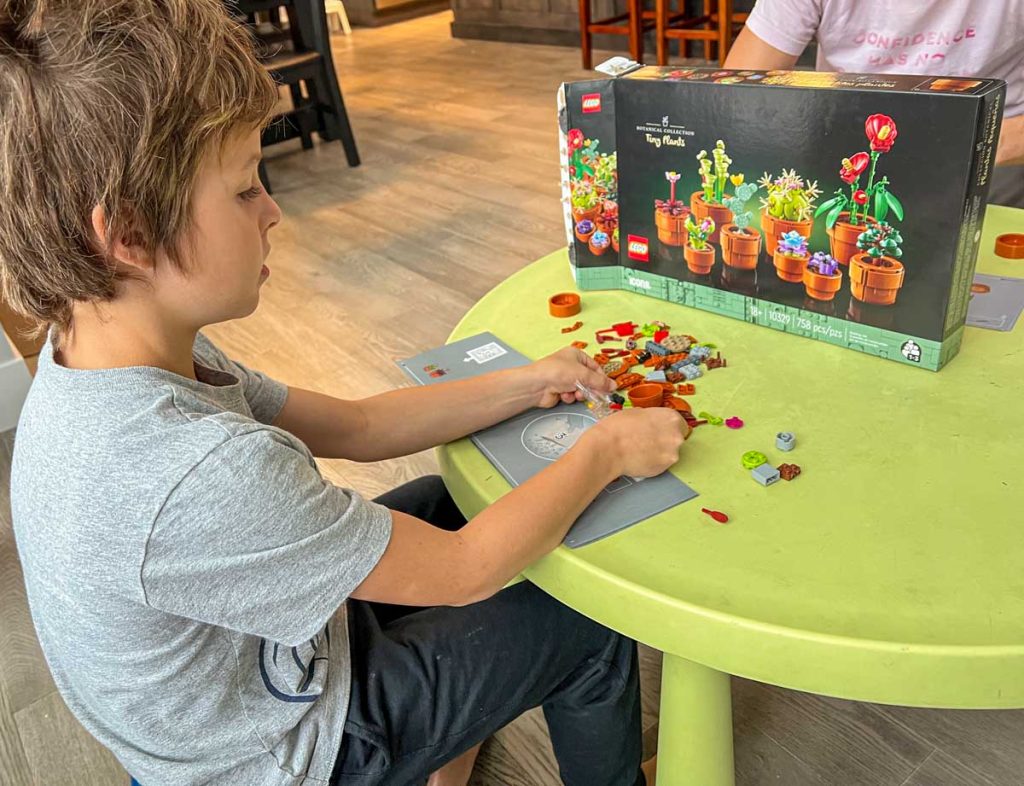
{"type": "Point", "coordinates": [272, 215]}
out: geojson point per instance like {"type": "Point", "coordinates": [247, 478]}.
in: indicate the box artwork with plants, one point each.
{"type": "Point", "coordinates": [862, 232]}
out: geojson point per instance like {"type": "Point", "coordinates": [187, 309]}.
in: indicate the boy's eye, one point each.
{"type": "Point", "coordinates": [251, 193]}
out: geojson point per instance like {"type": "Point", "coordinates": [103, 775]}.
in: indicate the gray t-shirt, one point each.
{"type": "Point", "coordinates": [187, 569]}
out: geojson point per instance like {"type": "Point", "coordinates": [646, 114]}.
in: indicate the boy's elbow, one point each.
{"type": "Point", "coordinates": [477, 582]}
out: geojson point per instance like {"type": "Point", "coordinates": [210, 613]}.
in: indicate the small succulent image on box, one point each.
{"type": "Point", "coordinates": [827, 205]}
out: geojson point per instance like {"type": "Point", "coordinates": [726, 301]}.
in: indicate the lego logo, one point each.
{"type": "Point", "coordinates": [638, 248]}
{"type": "Point", "coordinates": [592, 102]}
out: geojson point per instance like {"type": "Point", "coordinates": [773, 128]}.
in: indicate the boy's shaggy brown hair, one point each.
{"type": "Point", "coordinates": [112, 103]}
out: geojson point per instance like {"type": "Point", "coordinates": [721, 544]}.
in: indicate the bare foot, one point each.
{"type": "Point", "coordinates": [649, 768]}
{"type": "Point", "coordinates": [457, 771]}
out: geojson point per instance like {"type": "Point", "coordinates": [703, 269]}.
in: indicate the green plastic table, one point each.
{"type": "Point", "coordinates": [891, 570]}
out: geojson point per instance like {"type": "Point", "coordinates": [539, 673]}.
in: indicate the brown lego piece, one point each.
{"type": "Point", "coordinates": [570, 329]}
{"type": "Point", "coordinates": [628, 380]}
{"type": "Point", "coordinates": [615, 368]}
{"type": "Point", "coordinates": [678, 404]}
{"type": "Point", "coordinates": [788, 471]}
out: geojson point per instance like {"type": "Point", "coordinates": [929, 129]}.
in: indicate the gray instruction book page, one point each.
{"type": "Point", "coordinates": [523, 445]}
{"type": "Point", "coordinates": [996, 302]}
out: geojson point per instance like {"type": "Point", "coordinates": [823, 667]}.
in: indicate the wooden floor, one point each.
{"type": "Point", "coordinates": [458, 189]}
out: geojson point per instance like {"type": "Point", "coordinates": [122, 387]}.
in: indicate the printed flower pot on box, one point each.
{"type": "Point", "coordinates": [671, 228]}
{"type": "Point", "coordinates": [584, 229]}
{"type": "Point", "coordinates": [790, 268]}
{"type": "Point", "coordinates": [875, 280]}
{"type": "Point", "coordinates": [843, 237]}
{"type": "Point", "coordinates": [740, 248]}
{"type": "Point", "coordinates": [822, 287]}
{"type": "Point", "coordinates": [699, 261]}
{"type": "Point", "coordinates": [774, 227]}
{"type": "Point", "coordinates": [720, 214]}
{"type": "Point", "coordinates": [589, 214]}
{"type": "Point", "coordinates": [599, 243]}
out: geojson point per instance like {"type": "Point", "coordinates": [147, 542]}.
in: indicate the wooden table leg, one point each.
{"type": "Point", "coordinates": [695, 726]}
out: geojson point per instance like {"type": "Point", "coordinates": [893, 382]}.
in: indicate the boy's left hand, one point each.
{"type": "Point", "coordinates": [554, 378]}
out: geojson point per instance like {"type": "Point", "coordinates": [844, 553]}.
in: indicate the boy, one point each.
{"type": "Point", "coordinates": [211, 608]}
{"type": "Point", "coordinates": [977, 38]}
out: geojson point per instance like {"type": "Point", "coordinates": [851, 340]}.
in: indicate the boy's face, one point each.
{"type": "Point", "coordinates": [227, 244]}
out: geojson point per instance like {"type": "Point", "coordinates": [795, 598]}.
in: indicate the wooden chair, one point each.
{"type": "Point", "coordinates": [302, 60]}
{"type": "Point", "coordinates": [633, 24]}
{"type": "Point", "coordinates": [715, 26]}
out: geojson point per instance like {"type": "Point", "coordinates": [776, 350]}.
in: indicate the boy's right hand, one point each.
{"type": "Point", "coordinates": [643, 442]}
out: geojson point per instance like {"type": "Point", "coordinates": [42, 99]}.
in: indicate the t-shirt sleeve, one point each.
{"type": "Point", "coordinates": [789, 25]}
{"type": "Point", "coordinates": [264, 395]}
{"type": "Point", "coordinates": [255, 540]}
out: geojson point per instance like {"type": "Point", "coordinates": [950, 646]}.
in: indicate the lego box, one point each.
{"type": "Point", "coordinates": [841, 207]}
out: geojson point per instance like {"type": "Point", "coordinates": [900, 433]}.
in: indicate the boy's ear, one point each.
{"type": "Point", "coordinates": [124, 250]}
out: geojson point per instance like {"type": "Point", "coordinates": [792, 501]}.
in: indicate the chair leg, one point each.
{"type": "Point", "coordinates": [707, 26]}
{"type": "Point", "coordinates": [661, 10]}
{"type": "Point", "coordinates": [312, 17]}
{"type": "Point", "coordinates": [586, 39]}
{"type": "Point", "coordinates": [724, 29]}
{"type": "Point", "coordinates": [262, 170]}
{"type": "Point", "coordinates": [636, 30]}
{"type": "Point", "coordinates": [346, 28]}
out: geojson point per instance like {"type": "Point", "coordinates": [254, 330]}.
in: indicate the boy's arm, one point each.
{"type": "Point", "coordinates": [427, 566]}
{"type": "Point", "coordinates": [408, 420]}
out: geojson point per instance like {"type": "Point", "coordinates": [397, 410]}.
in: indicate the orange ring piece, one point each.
{"type": "Point", "coordinates": [564, 304]}
{"type": "Point", "coordinates": [1010, 245]}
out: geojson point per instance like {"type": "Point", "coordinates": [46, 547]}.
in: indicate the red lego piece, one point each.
{"type": "Point", "coordinates": [624, 329]}
{"type": "Point", "coordinates": [576, 326]}
{"type": "Point", "coordinates": [660, 335]}
{"type": "Point", "coordinates": [717, 515]}
{"type": "Point", "coordinates": [686, 389]}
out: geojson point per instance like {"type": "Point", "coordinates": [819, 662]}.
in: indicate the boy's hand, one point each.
{"type": "Point", "coordinates": [553, 379]}
{"type": "Point", "coordinates": [642, 442]}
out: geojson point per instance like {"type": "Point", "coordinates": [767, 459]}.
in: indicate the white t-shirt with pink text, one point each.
{"type": "Point", "coordinates": [976, 38]}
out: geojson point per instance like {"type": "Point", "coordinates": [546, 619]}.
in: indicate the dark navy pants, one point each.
{"type": "Point", "coordinates": [430, 683]}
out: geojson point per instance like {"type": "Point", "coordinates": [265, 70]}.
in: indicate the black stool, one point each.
{"type": "Point", "coordinates": [302, 60]}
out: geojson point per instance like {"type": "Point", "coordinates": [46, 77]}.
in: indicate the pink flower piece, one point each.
{"type": "Point", "coordinates": [734, 423]}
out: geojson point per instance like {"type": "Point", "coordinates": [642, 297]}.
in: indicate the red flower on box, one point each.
{"type": "Point", "coordinates": [881, 132]}
{"type": "Point", "coordinates": [575, 139]}
{"type": "Point", "coordinates": [854, 166]}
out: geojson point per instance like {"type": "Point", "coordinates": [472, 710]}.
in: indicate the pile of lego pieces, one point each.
{"type": "Point", "coordinates": [763, 472]}
{"type": "Point", "coordinates": [651, 353]}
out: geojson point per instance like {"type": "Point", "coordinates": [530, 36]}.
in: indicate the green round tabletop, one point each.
{"type": "Point", "coordinates": [891, 570]}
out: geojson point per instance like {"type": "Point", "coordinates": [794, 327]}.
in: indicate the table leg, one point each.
{"type": "Point", "coordinates": [695, 726]}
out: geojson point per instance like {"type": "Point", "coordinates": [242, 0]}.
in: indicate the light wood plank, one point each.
{"type": "Point", "coordinates": [939, 769]}
{"type": "Point", "coordinates": [841, 741]}
{"type": "Point", "coordinates": [986, 743]}
{"type": "Point", "coordinates": [14, 767]}
{"type": "Point", "coordinates": [24, 677]}
{"type": "Point", "coordinates": [60, 751]}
